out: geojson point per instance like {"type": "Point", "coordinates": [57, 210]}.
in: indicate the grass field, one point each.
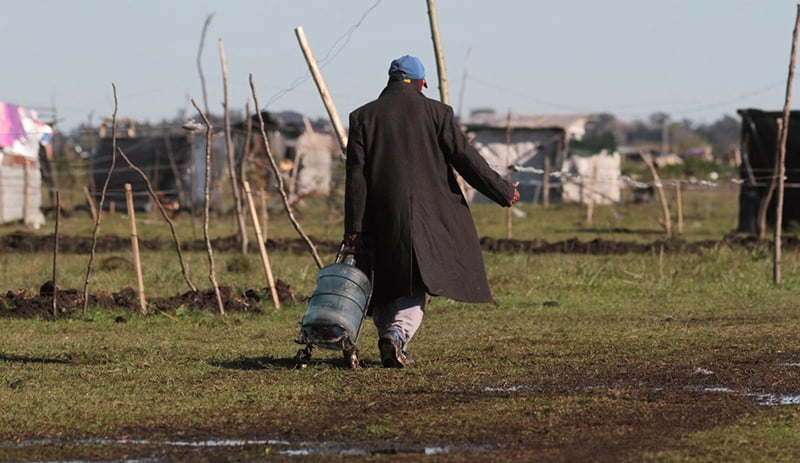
{"type": "Point", "coordinates": [656, 357]}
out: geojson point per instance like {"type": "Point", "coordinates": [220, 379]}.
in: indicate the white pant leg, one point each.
{"type": "Point", "coordinates": [404, 316]}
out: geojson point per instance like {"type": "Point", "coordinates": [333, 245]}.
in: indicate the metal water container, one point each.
{"type": "Point", "coordinates": [337, 306]}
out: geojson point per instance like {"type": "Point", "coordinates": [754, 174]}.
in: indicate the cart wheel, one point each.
{"type": "Point", "coordinates": [302, 358]}
{"type": "Point", "coordinates": [351, 358]}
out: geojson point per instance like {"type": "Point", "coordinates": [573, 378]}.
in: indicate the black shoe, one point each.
{"type": "Point", "coordinates": [392, 354]}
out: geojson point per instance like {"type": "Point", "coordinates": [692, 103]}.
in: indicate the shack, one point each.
{"type": "Point", "coordinates": [536, 145]}
{"type": "Point", "coordinates": [759, 142]}
{"type": "Point", "coordinates": [23, 137]}
{"type": "Point", "coordinates": [304, 150]}
{"type": "Point", "coordinates": [172, 157]}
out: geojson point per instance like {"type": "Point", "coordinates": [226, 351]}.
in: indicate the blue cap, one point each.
{"type": "Point", "coordinates": [409, 66]}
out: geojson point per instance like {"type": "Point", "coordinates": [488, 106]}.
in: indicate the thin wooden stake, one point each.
{"type": "Point", "coordinates": [154, 198]}
{"type": "Point", "coordinates": [279, 179]}
{"type": "Point", "coordinates": [590, 209]}
{"type": "Point", "coordinates": [99, 217]}
{"type": "Point", "coordinates": [261, 247]}
{"type": "Point", "coordinates": [237, 199]}
{"type": "Point", "coordinates": [509, 215]}
{"type": "Point", "coordinates": [90, 200]}
{"type": "Point", "coordinates": [199, 62]}
{"type": "Point", "coordinates": [55, 254]}
{"type": "Point", "coordinates": [248, 141]}
{"type": "Point", "coordinates": [680, 206]}
{"type": "Point", "coordinates": [323, 89]}
{"type": "Point", "coordinates": [264, 212]}
{"type": "Point", "coordinates": [546, 182]}
{"type": "Point", "coordinates": [2, 208]}
{"type": "Point", "coordinates": [782, 165]}
{"type": "Point", "coordinates": [174, 167]}
{"type": "Point", "coordinates": [767, 199]}
{"type": "Point", "coordinates": [212, 273]}
{"type": "Point", "coordinates": [137, 261]}
{"type": "Point", "coordinates": [590, 193]}
{"type": "Point", "coordinates": [441, 72]}
{"type": "Point", "coordinates": [437, 49]}
{"type": "Point", "coordinates": [660, 188]}
{"type": "Point", "coordinates": [26, 196]}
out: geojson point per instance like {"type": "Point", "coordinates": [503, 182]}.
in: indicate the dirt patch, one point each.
{"type": "Point", "coordinates": [625, 411]}
{"type": "Point", "coordinates": [621, 416]}
{"type": "Point", "coordinates": [601, 246]}
{"type": "Point", "coordinates": [29, 242]}
{"type": "Point", "coordinates": [21, 304]}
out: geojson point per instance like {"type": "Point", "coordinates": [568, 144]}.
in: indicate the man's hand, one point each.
{"type": "Point", "coordinates": [515, 198]}
{"type": "Point", "coordinates": [352, 240]}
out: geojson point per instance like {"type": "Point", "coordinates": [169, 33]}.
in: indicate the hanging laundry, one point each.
{"type": "Point", "coordinates": [11, 128]}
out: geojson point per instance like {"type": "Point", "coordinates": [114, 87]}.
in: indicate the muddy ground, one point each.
{"type": "Point", "coordinates": [27, 242]}
{"type": "Point", "coordinates": [23, 304]}
{"type": "Point", "coordinates": [682, 398]}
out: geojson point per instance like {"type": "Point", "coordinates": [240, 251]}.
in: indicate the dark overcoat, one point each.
{"type": "Point", "coordinates": [402, 196]}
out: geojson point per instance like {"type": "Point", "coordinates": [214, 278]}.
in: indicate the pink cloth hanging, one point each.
{"type": "Point", "coordinates": [10, 125]}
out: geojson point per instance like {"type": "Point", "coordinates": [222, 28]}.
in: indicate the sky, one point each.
{"type": "Point", "coordinates": [692, 59]}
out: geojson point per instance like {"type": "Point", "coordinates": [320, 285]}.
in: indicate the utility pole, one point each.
{"type": "Point", "coordinates": [437, 48]}
{"type": "Point", "coordinates": [463, 86]}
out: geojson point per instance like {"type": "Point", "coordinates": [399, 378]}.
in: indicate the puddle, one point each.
{"type": "Point", "coordinates": [761, 398]}
{"type": "Point", "coordinates": [517, 388]}
{"type": "Point", "coordinates": [776, 399]}
{"type": "Point", "coordinates": [280, 447]}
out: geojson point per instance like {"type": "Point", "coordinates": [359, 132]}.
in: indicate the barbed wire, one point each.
{"type": "Point", "coordinates": [629, 181]}
{"type": "Point", "coordinates": [711, 104]}
{"type": "Point", "coordinates": [344, 39]}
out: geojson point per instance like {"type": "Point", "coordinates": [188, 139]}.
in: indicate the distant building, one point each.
{"type": "Point", "coordinates": [700, 152]}
{"type": "Point", "coordinates": [174, 160]}
{"type": "Point", "coordinates": [303, 149]}
{"type": "Point", "coordinates": [172, 157]}
{"type": "Point", "coordinates": [536, 145]}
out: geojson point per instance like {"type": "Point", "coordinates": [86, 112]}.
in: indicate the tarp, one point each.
{"type": "Point", "coordinates": [759, 148]}
{"type": "Point", "coordinates": [21, 136]}
{"type": "Point", "coordinates": [592, 178]}
{"type": "Point", "coordinates": [159, 157]}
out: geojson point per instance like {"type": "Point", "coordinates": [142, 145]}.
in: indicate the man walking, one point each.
{"type": "Point", "coordinates": [403, 201]}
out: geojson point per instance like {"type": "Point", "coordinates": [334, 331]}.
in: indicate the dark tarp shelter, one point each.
{"type": "Point", "coordinates": [151, 155]}
{"type": "Point", "coordinates": [759, 142]}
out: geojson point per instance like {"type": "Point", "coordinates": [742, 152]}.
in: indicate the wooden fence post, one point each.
{"type": "Point", "coordinates": [323, 89]}
{"type": "Point", "coordinates": [441, 70]}
{"type": "Point", "coordinates": [660, 188]}
{"type": "Point", "coordinates": [90, 200]}
{"type": "Point", "coordinates": [26, 195]}
{"type": "Point", "coordinates": [55, 254]}
{"type": "Point", "coordinates": [237, 199]}
{"type": "Point", "coordinates": [776, 271]}
{"type": "Point", "coordinates": [212, 269]}
{"type": "Point", "coordinates": [137, 262]}
{"type": "Point", "coordinates": [261, 247]}
{"type": "Point", "coordinates": [679, 200]}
